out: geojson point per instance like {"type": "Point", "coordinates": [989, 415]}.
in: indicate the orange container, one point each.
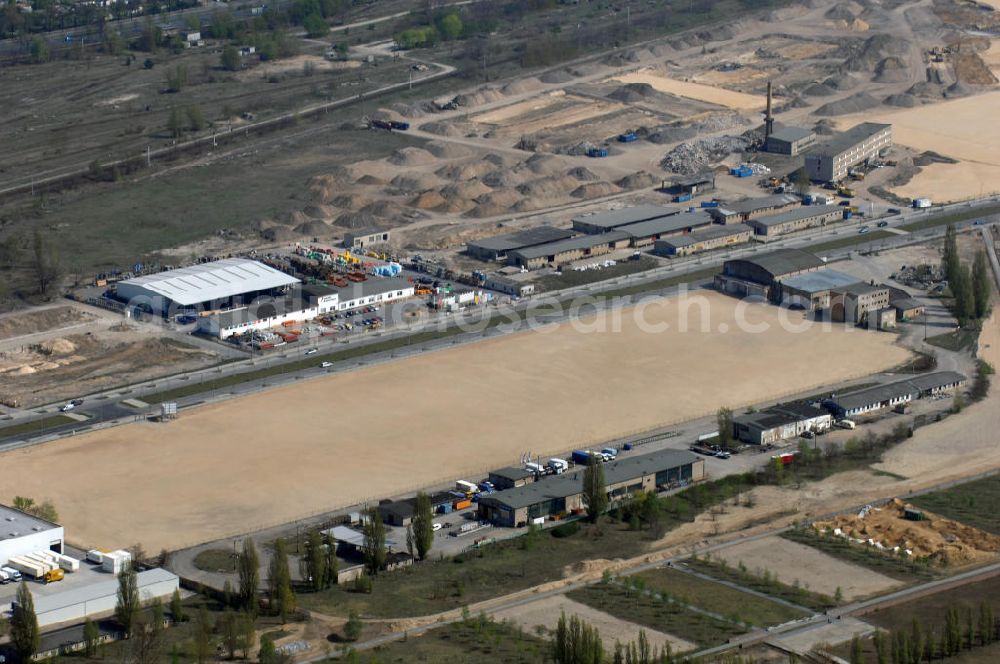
{"type": "Point", "coordinates": [462, 504]}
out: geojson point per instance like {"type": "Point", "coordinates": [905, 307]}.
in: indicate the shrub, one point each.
{"type": "Point", "coordinates": [566, 529]}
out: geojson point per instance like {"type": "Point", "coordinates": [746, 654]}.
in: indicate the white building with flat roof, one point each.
{"type": "Point", "coordinates": [22, 533]}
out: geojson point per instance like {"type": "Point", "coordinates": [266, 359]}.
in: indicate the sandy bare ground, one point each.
{"type": "Point", "coordinates": [262, 460]}
{"type": "Point", "coordinates": [553, 110]}
{"type": "Point", "coordinates": [546, 612]}
{"type": "Point", "coordinates": [708, 93]}
{"type": "Point", "coordinates": [963, 129]}
{"type": "Point", "coordinates": [792, 562]}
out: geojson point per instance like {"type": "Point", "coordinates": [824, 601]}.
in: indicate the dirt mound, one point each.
{"type": "Point", "coordinates": [415, 181]}
{"type": "Point", "coordinates": [500, 179]}
{"type": "Point", "coordinates": [479, 97]}
{"type": "Point", "coordinates": [958, 89]}
{"type": "Point", "coordinates": [840, 12]}
{"type": "Point", "coordinates": [494, 204]}
{"type": "Point", "coordinates": [369, 180]}
{"type": "Point", "coordinates": [58, 347]}
{"type": "Point", "coordinates": [842, 82]}
{"type": "Point", "coordinates": [411, 157]}
{"type": "Point", "coordinates": [554, 186]}
{"type": "Point", "coordinates": [408, 110]}
{"type": "Point", "coordinates": [636, 92]}
{"type": "Point", "coordinates": [429, 200]}
{"type": "Point", "coordinates": [355, 220]}
{"type": "Point", "coordinates": [697, 156]}
{"type": "Point", "coordinates": [668, 134]}
{"type": "Point", "coordinates": [443, 128]}
{"type": "Point", "coordinates": [861, 101]}
{"type": "Point", "coordinates": [934, 538]}
{"type": "Point", "coordinates": [902, 100]}
{"type": "Point", "coordinates": [640, 180]}
{"type": "Point", "coordinates": [322, 188]}
{"type": "Point", "coordinates": [277, 234]}
{"type": "Point", "coordinates": [892, 70]}
{"type": "Point", "coordinates": [463, 192]}
{"type": "Point", "coordinates": [819, 90]}
{"type": "Point", "coordinates": [500, 160]}
{"type": "Point", "coordinates": [541, 164]}
{"type": "Point", "coordinates": [320, 211]}
{"type": "Point", "coordinates": [875, 49]}
{"type": "Point", "coordinates": [351, 201]}
{"type": "Point", "coordinates": [443, 150]}
{"type": "Point", "coordinates": [557, 76]}
{"type": "Point", "coordinates": [594, 190]}
{"type": "Point", "coordinates": [294, 218]}
{"type": "Point", "coordinates": [384, 209]}
{"type": "Point", "coordinates": [582, 174]}
{"type": "Point", "coordinates": [521, 86]}
{"type": "Point", "coordinates": [925, 89]}
{"type": "Point", "coordinates": [459, 172]}
{"type": "Point", "coordinates": [314, 228]}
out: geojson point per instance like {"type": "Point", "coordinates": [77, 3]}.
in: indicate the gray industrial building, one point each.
{"type": "Point", "coordinates": [761, 275]}
{"type": "Point", "coordinates": [510, 477]}
{"type": "Point", "coordinates": [563, 494]}
{"type": "Point", "coordinates": [497, 247]}
{"type": "Point", "coordinates": [706, 239]}
{"type": "Point", "coordinates": [780, 423]}
{"type": "Point", "coordinates": [752, 208]}
{"type": "Point", "coordinates": [645, 233]}
{"type": "Point", "coordinates": [814, 291]}
{"type": "Point", "coordinates": [859, 302]}
{"type": "Point", "coordinates": [22, 533]}
{"type": "Point", "coordinates": [602, 222]}
{"type": "Point", "coordinates": [567, 251]}
{"type": "Point", "coordinates": [365, 238]}
{"type": "Point", "coordinates": [771, 226]}
{"type": "Point", "coordinates": [890, 395]}
{"type": "Point", "coordinates": [789, 140]}
{"type": "Point", "coordinates": [830, 162]}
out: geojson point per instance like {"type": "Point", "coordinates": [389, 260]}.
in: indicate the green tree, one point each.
{"type": "Point", "coordinates": [949, 258]}
{"type": "Point", "coordinates": [316, 562]}
{"type": "Point", "coordinates": [202, 635]}
{"type": "Point", "coordinates": [227, 593]}
{"type": "Point", "coordinates": [802, 183]}
{"type": "Point", "coordinates": [353, 626]}
{"type": "Point", "coordinates": [39, 51]}
{"type": "Point", "coordinates": [46, 266]}
{"type": "Point", "coordinates": [248, 571]}
{"type": "Point", "coordinates": [227, 626]}
{"type": "Point", "coordinates": [724, 419]}
{"type": "Point", "coordinates": [423, 525]}
{"type": "Point", "coordinates": [450, 27]}
{"type": "Point", "coordinates": [961, 290]}
{"type": "Point", "coordinates": [230, 58]}
{"type": "Point", "coordinates": [332, 565]}
{"type": "Point", "coordinates": [24, 634]}
{"type": "Point", "coordinates": [315, 26]}
{"type": "Point", "coordinates": [280, 582]}
{"type": "Point", "coordinates": [267, 654]}
{"type": "Point", "coordinates": [981, 288]}
{"type": "Point", "coordinates": [176, 608]}
{"type": "Point", "coordinates": [595, 491]}
{"type": "Point", "coordinates": [176, 78]}
{"type": "Point", "coordinates": [44, 510]}
{"type": "Point", "coordinates": [881, 651]}
{"type": "Point", "coordinates": [148, 63]}
{"type": "Point", "coordinates": [91, 638]}
{"type": "Point", "coordinates": [576, 642]}
{"type": "Point", "coordinates": [857, 656]}
{"type": "Point", "coordinates": [174, 124]}
{"type": "Point", "coordinates": [128, 604]}
{"type": "Point", "coordinates": [248, 634]}
{"type": "Point", "coordinates": [196, 119]}
{"type": "Point", "coordinates": [373, 544]}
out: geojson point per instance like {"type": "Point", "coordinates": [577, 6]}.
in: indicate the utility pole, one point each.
{"type": "Point", "coordinates": [149, 160]}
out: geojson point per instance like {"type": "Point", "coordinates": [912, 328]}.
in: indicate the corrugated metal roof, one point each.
{"type": "Point", "coordinates": [911, 386]}
{"type": "Point", "coordinates": [353, 537]}
{"type": "Point", "coordinates": [98, 590]}
{"type": "Point", "coordinates": [572, 244]}
{"type": "Point", "coordinates": [782, 262]}
{"type": "Point", "coordinates": [373, 286]}
{"type": "Point", "coordinates": [848, 139]}
{"type": "Point", "coordinates": [711, 233]}
{"type": "Point", "coordinates": [628, 215]}
{"type": "Point", "coordinates": [520, 239]}
{"type": "Point", "coordinates": [762, 203]}
{"type": "Point", "coordinates": [217, 280]}
{"type": "Point", "coordinates": [671, 224]}
{"type": "Point", "coordinates": [804, 212]}
{"type": "Point", "coordinates": [563, 486]}
{"type": "Point", "coordinates": [791, 134]}
{"type": "Point", "coordinates": [821, 280]}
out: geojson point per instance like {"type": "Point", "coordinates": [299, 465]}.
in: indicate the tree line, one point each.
{"type": "Point", "coordinates": [970, 287]}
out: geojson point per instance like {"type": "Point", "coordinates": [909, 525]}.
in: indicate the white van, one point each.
{"type": "Point", "coordinates": [845, 424]}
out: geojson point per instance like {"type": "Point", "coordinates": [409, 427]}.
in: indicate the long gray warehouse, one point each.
{"type": "Point", "coordinates": [566, 251]}
{"type": "Point", "coordinates": [497, 247]}
{"type": "Point", "coordinates": [890, 395]}
{"type": "Point", "coordinates": [761, 275]}
{"type": "Point", "coordinates": [831, 161]}
{"type": "Point", "coordinates": [563, 494]}
{"type": "Point", "coordinates": [795, 220]}
{"type": "Point", "coordinates": [602, 222]}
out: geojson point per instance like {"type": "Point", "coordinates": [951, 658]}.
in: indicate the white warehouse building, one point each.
{"type": "Point", "coordinates": [99, 599]}
{"type": "Point", "coordinates": [221, 284]}
{"type": "Point", "coordinates": [22, 533]}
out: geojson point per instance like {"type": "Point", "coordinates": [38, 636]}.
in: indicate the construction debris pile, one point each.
{"type": "Point", "coordinates": [902, 529]}
{"type": "Point", "coordinates": [696, 156]}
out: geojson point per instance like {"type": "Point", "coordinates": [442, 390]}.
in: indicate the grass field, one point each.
{"type": "Point", "coordinates": [944, 220]}
{"type": "Point", "coordinates": [894, 567]}
{"type": "Point", "coordinates": [718, 598]}
{"type": "Point", "coordinates": [850, 241]}
{"type": "Point", "coordinates": [215, 560]}
{"type": "Point", "coordinates": [957, 341]}
{"type": "Point", "coordinates": [570, 278]}
{"type": "Point", "coordinates": [795, 595]}
{"type": "Point", "coordinates": [496, 569]}
{"type": "Point", "coordinates": [975, 503]}
{"type": "Point", "coordinates": [33, 427]}
{"type": "Point", "coordinates": [650, 609]}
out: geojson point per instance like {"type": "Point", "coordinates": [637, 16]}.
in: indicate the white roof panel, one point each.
{"type": "Point", "coordinates": [213, 281]}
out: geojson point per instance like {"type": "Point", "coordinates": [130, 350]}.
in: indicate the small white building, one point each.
{"type": "Point", "coordinates": [22, 533]}
{"type": "Point", "coordinates": [262, 315]}
{"type": "Point", "coordinates": [374, 290]}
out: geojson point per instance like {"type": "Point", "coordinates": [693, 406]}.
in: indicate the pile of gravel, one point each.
{"type": "Point", "coordinates": [697, 156]}
{"type": "Point", "coordinates": [902, 100]}
{"type": "Point", "coordinates": [861, 101]}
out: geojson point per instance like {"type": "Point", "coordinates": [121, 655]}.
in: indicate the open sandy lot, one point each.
{"type": "Point", "coordinates": [728, 98]}
{"type": "Point", "coordinates": [552, 110]}
{"type": "Point", "coordinates": [962, 129]}
{"type": "Point", "coordinates": [813, 569]}
{"type": "Point", "coordinates": [231, 467]}
{"type": "Point", "coordinates": [546, 612]}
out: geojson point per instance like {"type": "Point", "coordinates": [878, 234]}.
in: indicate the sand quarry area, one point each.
{"type": "Point", "coordinates": [229, 468]}
{"type": "Point", "coordinates": [735, 100]}
{"type": "Point", "coordinates": [546, 612]}
{"type": "Point", "coordinates": [963, 129]}
{"type": "Point", "coordinates": [792, 562]}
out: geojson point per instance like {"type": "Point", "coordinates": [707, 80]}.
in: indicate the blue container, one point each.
{"type": "Point", "coordinates": [847, 214]}
{"type": "Point", "coordinates": [581, 457]}
{"type": "Point", "coordinates": [628, 137]}
{"type": "Point", "coordinates": [444, 509]}
{"type": "Point", "coordinates": [402, 126]}
{"type": "Point", "coordinates": [807, 199]}
{"type": "Point", "coordinates": [710, 204]}
{"type": "Point", "coordinates": [627, 446]}
{"type": "Point", "coordinates": [682, 198]}
{"type": "Point", "coordinates": [597, 152]}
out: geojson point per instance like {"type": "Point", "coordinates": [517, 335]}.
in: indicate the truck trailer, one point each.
{"type": "Point", "coordinates": [26, 567]}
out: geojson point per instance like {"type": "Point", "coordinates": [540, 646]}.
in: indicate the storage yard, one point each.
{"type": "Point", "coordinates": [614, 392]}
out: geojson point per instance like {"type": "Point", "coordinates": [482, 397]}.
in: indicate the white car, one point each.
{"type": "Point", "coordinates": [325, 365]}
{"type": "Point", "coordinates": [436, 527]}
{"type": "Point", "coordinates": [68, 407]}
{"type": "Point", "coordinates": [312, 351]}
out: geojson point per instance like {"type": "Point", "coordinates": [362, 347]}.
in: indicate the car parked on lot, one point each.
{"type": "Point", "coordinates": [883, 224]}
{"type": "Point", "coordinates": [312, 351]}
{"type": "Point", "coordinates": [325, 365]}
{"type": "Point", "coordinates": [863, 230]}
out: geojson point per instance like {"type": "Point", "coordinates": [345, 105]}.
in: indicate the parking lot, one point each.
{"type": "Point", "coordinates": [88, 573]}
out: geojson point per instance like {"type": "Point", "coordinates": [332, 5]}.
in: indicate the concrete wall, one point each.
{"type": "Point", "coordinates": [28, 542]}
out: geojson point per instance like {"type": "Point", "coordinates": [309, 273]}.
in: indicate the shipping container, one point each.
{"type": "Point", "coordinates": [597, 152]}
{"type": "Point", "coordinates": [69, 564]}
{"type": "Point", "coordinates": [582, 457]}
{"type": "Point", "coordinates": [682, 198]}
{"type": "Point", "coordinates": [95, 556]}
{"type": "Point", "coordinates": [710, 204]}
{"type": "Point", "coordinates": [627, 137]}
{"type": "Point", "coordinates": [26, 567]}
{"type": "Point", "coordinates": [462, 504]}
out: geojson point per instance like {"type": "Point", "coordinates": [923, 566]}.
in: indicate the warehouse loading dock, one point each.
{"type": "Point", "coordinates": [563, 494]}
